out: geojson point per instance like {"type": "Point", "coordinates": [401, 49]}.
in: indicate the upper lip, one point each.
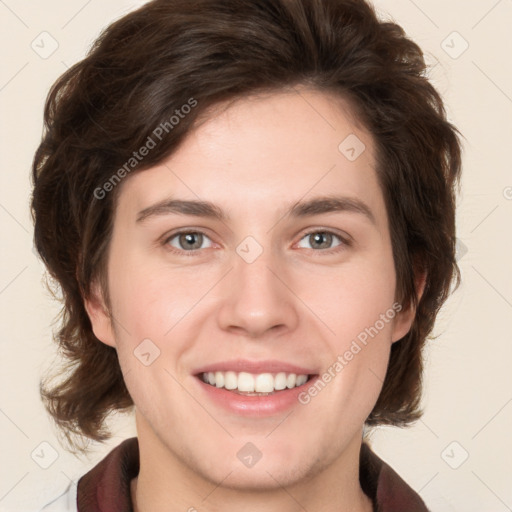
{"type": "Point", "coordinates": [244, 365]}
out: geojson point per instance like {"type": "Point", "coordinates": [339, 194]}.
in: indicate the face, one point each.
{"type": "Point", "coordinates": [256, 257]}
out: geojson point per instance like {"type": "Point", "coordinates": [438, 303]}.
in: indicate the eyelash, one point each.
{"type": "Point", "coordinates": [344, 241]}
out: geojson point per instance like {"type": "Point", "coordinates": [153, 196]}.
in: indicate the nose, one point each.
{"type": "Point", "coordinates": [257, 299]}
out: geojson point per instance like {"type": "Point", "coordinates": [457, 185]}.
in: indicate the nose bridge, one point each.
{"type": "Point", "coordinates": [255, 299]}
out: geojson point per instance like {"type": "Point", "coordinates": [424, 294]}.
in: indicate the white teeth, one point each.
{"type": "Point", "coordinates": [250, 383]}
{"type": "Point", "coordinates": [301, 379]}
{"type": "Point", "coordinates": [245, 382]}
{"type": "Point", "coordinates": [230, 380]}
{"type": "Point", "coordinates": [219, 379]}
{"type": "Point", "coordinates": [291, 380]}
{"type": "Point", "coordinates": [264, 383]}
{"type": "Point", "coordinates": [280, 381]}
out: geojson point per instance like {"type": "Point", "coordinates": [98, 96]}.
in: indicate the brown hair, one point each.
{"type": "Point", "coordinates": [169, 53]}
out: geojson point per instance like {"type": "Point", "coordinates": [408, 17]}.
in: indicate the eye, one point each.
{"type": "Point", "coordinates": [321, 240]}
{"type": "Point", "coordinates": [188, 241]}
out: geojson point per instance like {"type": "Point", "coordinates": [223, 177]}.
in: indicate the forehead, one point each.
{"type": "Point", "coordinates": [260, 153]}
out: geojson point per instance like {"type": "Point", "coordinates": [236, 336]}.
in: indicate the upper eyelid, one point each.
{"type": "Point", "coordinates": [346, 239]}
{"type": "Point", "coordinates": [168, 236]}
{"type": "Point", "coordinates": [327, 230]}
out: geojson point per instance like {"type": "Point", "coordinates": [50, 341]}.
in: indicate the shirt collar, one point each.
{"type": "Point", "coordinates": [106, 487]}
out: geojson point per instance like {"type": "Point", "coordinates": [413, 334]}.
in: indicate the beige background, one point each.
{"type": "Point", "coordinates": [468, 384]}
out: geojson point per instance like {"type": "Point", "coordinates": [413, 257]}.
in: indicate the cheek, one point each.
{"type": "Point", "coordinates": [155, 311]}
{"type": "Point", "coordinates": [150, 300]}
{"type": "Point", "coordinates": [353, 297]}
{"type": "Point", "coordinates": [150, 308]}
{"type": "Point", "coordinates": [357, 305]}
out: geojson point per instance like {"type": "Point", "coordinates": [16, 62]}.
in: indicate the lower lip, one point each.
{"type": "Point", "coordinates": [265, 405]}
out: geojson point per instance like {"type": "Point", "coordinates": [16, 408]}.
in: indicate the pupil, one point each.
{"type": "Point", "coordinates": [187, 240]}
{"type": "Point", "coordinates": [326, 237]}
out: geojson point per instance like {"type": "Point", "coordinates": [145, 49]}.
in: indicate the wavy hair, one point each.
{"type": "Point", "coordinates": [148, 64]}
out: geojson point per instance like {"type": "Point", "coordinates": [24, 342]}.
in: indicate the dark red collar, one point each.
{"type": "Point", "coordinates": [106, 487]}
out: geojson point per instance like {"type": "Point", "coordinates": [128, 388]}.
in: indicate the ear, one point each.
{"type": "Point", "coordinates": [99, 316]}
{"type": "Point", "coordinates": [405, 318]}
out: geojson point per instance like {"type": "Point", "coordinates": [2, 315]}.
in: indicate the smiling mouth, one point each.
{"type": "Point", "coordinates": [249, 384]}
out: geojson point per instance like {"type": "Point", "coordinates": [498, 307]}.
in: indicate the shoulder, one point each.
{"type": "Point", "coordinates": [105, 487]}
{"type": "Point", "coordinates": [64, 502]}
{"type": "Point", "coordinates": [388, 491]}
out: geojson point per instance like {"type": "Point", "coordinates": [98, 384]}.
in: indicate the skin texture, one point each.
{"type": "Point", "coordinates": [296, 303]}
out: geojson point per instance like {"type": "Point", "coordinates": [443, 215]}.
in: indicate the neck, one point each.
{"type": "Point", "coordinates": [167, 483]}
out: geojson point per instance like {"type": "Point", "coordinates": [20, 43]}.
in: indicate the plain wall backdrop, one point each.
{"type": "Point", "coordinates": [459, 455]}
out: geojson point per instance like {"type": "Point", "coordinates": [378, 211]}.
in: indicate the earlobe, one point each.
{"type": "Point", "coordinates": [99, 316]}
{"type": "Point", "coordinates": [405, 318]}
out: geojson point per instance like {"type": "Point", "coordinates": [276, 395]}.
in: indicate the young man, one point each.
{"type": "Point", "coordinates": [249, 207]}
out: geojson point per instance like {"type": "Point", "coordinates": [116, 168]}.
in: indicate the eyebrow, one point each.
{"type": "Point", "coordinates": [315, 206]}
